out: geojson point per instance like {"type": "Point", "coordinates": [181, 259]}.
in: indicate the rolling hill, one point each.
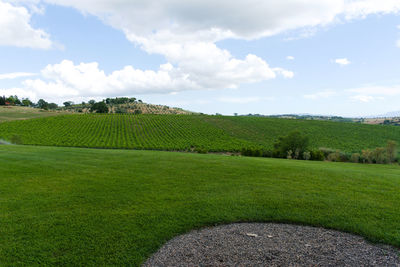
{"type": "Point", "coordinates": [189, 132]}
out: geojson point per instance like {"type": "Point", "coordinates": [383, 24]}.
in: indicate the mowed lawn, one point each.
{"type": "Point", "coordinates": [91, 207]}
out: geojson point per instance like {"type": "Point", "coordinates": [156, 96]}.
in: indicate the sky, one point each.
{"type": "Point", "coordinates": [331, 57]}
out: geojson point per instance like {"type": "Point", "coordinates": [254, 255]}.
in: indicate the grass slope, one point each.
{"type": "Point", "coordinates": [74, 206]}
{"type": "Point", "coordinates": [10, 113]}
{"type": "Point", "coordinates": [181, 132]}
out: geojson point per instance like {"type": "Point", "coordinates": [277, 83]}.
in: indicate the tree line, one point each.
{"type": "Point", "coordinates": [296, 145]}
{"type": "Point", "coordinates": [98, 107]}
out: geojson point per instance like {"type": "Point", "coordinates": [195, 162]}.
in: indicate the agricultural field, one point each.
{"type": "Point", "coordinates": [9, 113]}
{"type": "Point", "coordinates": [191, 132]}
{"type": "Point", "coordinates": [95, 207]}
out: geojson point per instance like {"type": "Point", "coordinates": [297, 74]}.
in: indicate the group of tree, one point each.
{"type": "Point", "coordinates": [296, 145]}
{"type": "Point", "coordinates": [45, 105]}
{"type": "Point", "coordinates": [121, 100]}
{"type": "Point", "coordinates": [14, 100]}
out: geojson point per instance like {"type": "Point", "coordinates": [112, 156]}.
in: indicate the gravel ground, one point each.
{"type": "Point", "coordinates": [268, 244]}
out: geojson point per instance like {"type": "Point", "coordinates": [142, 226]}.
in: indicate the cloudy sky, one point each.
{"type": "Point", "coordinates": [338, 57]}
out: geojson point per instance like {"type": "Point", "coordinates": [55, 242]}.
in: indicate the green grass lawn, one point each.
{"type": "Point", "coordinates": [10, 113]}
{"type": "Point", "coordinates": [81, 207]}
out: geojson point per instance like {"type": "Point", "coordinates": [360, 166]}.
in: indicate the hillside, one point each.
{"type": "Point", "coordinates": [9, 113]}
{"type": "Point", "coordinates": [92, 207]}
{"type": "Point", "coordinates": [191, 132]}
{"type": "Point", "coordinates": [133, 107]}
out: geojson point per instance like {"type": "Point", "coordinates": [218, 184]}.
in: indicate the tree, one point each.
{"type": "Point", "coordinates": [43, 104]}
{"type": "Point", "coordinates": [294, 141]}
{"type": "Point", "coordinates": [52, 106]}
{"type": "Point", "coordinates": [99, 107]}
{"type": "Point", "coordinates": [68, 103]}
{"type": "Point", "coordinates": [92, 102]}
{"type": "Point", "coordinates": [2, 100]}
{"type": "Point", "coordinates": [26, 102]}
{"type": "Point", "coordinates": [13, 100]}
{"type": "Point", "coordinates": [379, 155]}
{"type": "Point", "coordinates": [391, 151]}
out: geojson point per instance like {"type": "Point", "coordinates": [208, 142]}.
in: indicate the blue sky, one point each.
{"type": "Point", "coordinates": [336, 58]}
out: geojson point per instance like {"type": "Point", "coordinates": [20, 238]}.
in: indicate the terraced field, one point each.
{"type": "Point", "coordinates": [188, 132]}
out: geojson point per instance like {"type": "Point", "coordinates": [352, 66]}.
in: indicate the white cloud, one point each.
{"type": "Point", "coordinates": [219, 19]}
{"type": "Point", "coordinates": [398, 43]}
{"type": "Point", "coordinates": [21, 93]}
{"type": "Point", "coordinates": [398, 27]}
{"type": "Point", "coordinates": [342, 61]}
{"type": "Point", "coordinates": [363, 98]}
{"type": "Point", "coordinates": [362, 8]}
{"type": "Point", "coordinates": [15, 75]}
{"type": "Point", "coordinates": [318, 95]}
{"type": "Point", "coordinates": [186, 33]}
{"type": "Point", "coordinates": [290, 57]}
{"type": "Point", "coordinates": [67, 80]}
{"type": "Point", "coordinates": [15, 28]}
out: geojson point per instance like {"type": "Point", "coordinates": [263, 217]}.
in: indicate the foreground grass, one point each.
{"type": "Point", "coordinates": [11, 113]}
{"type": "Point", "coordinates": [71, 206]}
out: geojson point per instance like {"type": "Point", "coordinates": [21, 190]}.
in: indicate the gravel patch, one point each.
{"type": "Point", "coordinates": [269, 244]}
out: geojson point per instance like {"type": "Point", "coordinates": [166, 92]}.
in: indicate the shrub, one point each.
{"type": "Point", "coordinates": [355, 157]}
{"type": "Point", "coordinates": [366, 156]}
{"type": "Point", "coordinates": [326, 151]}
{"type": "Point", "coordinates": [379, 155]}
{"type": "Point", "coordinates": [267, 153]}
{"type": "Point", "coordinates": [335, 156]}
{"type": "Point", "coordinates": [99, 107]}
{"type": "Point", "coordinates": [201, 150]}
{"type": "Point", "coordinates": [295, 141]}
{"type": "Point", "coordinates": [16, 139]}
{"type": "Point", "coordinates": [317, 155]}
{"type": "Point", "coordinates": [391, 151]}
{"type": "Point", "coordinates": [289, 154]}
{"type": "Point", "coordinates": [307, 155]}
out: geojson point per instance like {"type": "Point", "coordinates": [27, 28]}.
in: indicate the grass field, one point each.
{"type": "Point", "coordinates": [183, 132]}
{"type": "Point", "coordinates": [91, 207]}
{"type": "Point", "coordinates": [10, 113]}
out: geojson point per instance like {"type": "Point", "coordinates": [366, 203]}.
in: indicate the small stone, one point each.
{"type": "Point", "coordinates": [270, 236]}
{"type": "Point", "coordinates": [252, 235]}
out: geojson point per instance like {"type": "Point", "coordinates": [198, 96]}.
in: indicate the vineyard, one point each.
{"type": "Point", "coordinates": [190, 132]}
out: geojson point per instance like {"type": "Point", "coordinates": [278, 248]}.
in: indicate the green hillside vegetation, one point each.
{"type": "Point", "coordinates": [124, 105]}
{"type": "Point", "coordinates": [191, 132]}
{"type": "Point", "coordinates": [91, 207]}
{"type": "Point", "coordinates": [9, 113]}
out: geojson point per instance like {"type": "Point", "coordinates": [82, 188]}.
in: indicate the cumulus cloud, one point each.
{"type": "Point", "coordinates": [15, 75]}
{"type": "Point", "coordinates": [15, 28]}
{"type": "Point", "coordinates": [186, 33]}
{"type": "Point", "coordinates": [290, 57]}
{"type": "Point", "coordinates": [342, 61]}
{"type": "Point", "coordinates": [67, 80]}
